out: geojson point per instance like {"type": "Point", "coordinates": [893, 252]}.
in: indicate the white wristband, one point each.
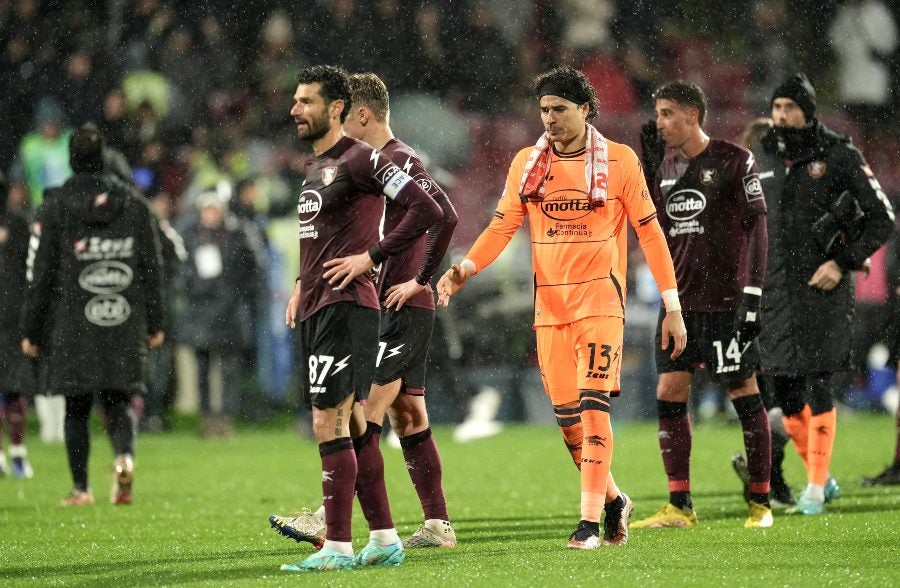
{"type": "Point", "coordinates": [469, 267]}
{"type": "Point", "coordinates": [753, 290]}
{"type": "Point", "coordinates": [670, 300]}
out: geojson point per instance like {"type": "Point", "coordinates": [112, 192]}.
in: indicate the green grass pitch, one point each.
{"type": "Point", "coordinates": [201, 507]}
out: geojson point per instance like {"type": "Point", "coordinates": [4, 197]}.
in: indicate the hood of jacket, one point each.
{"type": "Point", "coordinates": [96, 199]}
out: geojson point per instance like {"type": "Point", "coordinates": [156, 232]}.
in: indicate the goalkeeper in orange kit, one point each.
{"type": "Point", "coordinates": [577, 189]}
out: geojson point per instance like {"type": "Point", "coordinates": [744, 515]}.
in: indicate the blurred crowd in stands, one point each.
{"type": "Point", "coordinates": [196, 96]}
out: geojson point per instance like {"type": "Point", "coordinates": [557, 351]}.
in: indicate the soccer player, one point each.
{"type": "Point", "coordinates": [94, 259]}
{"type": "Point", "coordinates": [340, 209]}
{"type": "Point", "coordinates": [16, 377]}
{"type": "Point", "coordinates": [712, 211]}
{"type": "Point", "coordinates": [827, 214]}
{"type": "Point", "coordinates": [576, 188]}
{"type": "Point", "coordinates": [407, 319]}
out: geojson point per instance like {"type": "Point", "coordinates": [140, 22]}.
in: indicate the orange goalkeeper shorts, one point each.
{"type": "Point", "coordinates": [583, 355]}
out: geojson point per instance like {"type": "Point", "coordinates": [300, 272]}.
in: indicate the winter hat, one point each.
{"type": "Point", "coordinates": [211, 198]}
{"type": "Point", "coordinates": [48, 110]}
{"type": "Point", "coordinates": [799, 89]}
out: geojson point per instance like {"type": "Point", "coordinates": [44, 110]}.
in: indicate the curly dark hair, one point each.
{"type": "Point", "coordinates": [569, 83]}
{"type": "Point", "coordinates": [334, 84]}
{"type": "Point", "coordinates": [683, 94]}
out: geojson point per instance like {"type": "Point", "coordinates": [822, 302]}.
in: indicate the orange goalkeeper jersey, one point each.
{"type": "Point", "coordinates": [579, 254]}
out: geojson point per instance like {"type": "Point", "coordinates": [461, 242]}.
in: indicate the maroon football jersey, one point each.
{"type": "Point", "coordinates": [418, 260]}
{"type": "Point", "coordinates": [703, 206]}
{"type": "Point", "coordinates": [340, 210]}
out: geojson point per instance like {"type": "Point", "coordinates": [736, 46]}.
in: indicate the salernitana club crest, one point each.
{"type": "Point", "coordinates": [328, 175]}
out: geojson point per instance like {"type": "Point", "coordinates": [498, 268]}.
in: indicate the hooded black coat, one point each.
{"type": "Point", "coordinates": [95, 289]}
{"type": "Point", "coordinates": [16, 373]}
{"type": "Point", "coordinates": [824, 204]}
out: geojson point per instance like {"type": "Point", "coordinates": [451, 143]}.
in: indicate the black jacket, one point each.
{"type": "Point", "coordinates": [15, 369]}
{"type": "Point", "coordinates": [95, 289]}
{"type": "Point", "coordinates": [823, 203]}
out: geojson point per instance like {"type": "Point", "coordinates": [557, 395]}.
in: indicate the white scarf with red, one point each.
{"type": "Point", "coordinates": [596, 168]}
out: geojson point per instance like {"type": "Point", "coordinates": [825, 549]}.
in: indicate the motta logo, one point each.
{"type": "Point", "coordinates": [105, 277]}
{"type": "Point", "coordinates": [566, 205]}
{"type": "Point", "coordinates": [685, 204]}
{"type": "Point", "coordinates": [308, 206]}
{"type": "Point", "coordinates": [107, 310]}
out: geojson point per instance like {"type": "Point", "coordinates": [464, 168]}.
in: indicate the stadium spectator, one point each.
{"type": "Point", "coordinates": [490, 62]}
{"type": "Point", "coordinates": [770, 58]}
{"type": "Point", "coordinates": [335, 299]}
{"type": "Point", "coordinates": [713, 210]}
{"type": "Point", "coordinates": [16, 373]}
{"type": "Point", "coordinates": [43, 159]}
{"type": "Point", "coordinates": [891, 474]}
{"type": "Point", "coordinates": [827, 213]}
{"type": "Point", "coordinates": [407, 321]}
{"type": "Point", "coordinates": [864, 36]}
{"type": "Point", "coordinates": [218, 285]}
{"type": "Point", "coordinates": [95, 260]}
{"type": "Point", "coordinates": [576, 189]}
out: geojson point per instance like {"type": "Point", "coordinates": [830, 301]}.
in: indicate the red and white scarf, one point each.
{"type": "Point", "coordinates": [596, 168]}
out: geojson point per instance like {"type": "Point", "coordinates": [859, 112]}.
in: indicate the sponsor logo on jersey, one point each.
{"type": "Point", "coordinates": [105, 277]}
{"type": "Point", "coordinates": [816, 169]}
{"type": "Point", "coordinates": [685, 204]}
{"type": "Point", "coordinates": [97, 248]}
{"type": "Point", "coordinates": [569, 230]}
{"type": "Point", "coordinates": [667, 183]}
{"type": "Point", "coordinates": [753, 188]}
{"type": "Point", "coordinates": [308, 206]}
{"type": "Point", "coordinates": [107, 310]}
{"type": "Point", "coordinates": [565, 205]}
{"type": "Point", "coordinates": [707, 176]}
{"type": "Point", "coordinates": [425, 183]}
{"type": "Point", "coordinates": [328, 175]}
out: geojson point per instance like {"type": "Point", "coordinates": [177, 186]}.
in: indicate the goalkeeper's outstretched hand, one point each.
{"type": "Point", "coordinates": [450, 283]}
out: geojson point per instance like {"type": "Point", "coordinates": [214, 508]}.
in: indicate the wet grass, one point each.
{"type": "Point", "coordinates": [201, 507]}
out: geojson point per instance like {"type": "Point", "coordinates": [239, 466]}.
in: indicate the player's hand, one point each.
{"type": "Point", "coordinates": [653, 148]}
{"type": "Point", "coordinates": [827, 276]}
{"type": "Point", "coordinates": [748, 320]}
{"type": "Point", "coordinates": [290, 313]}
{"type": "Point", "coordinates": [673, 327]}
{"type": "Point", "coordinates": [156, 339]}
{"type": "Point", "coordinates": [450, 283]}
{"type": "Point", "coordinates": [866, 267]}
{"type": "Point", "coordinates": [30, 349]}
{"type": "Point", "coordinates": [400, 294]}
{"type": "Point", "coordinates": [343, 270]}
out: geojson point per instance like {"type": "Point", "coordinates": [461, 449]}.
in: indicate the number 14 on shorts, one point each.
{"type": "Point", "coordinates": [728, 359]}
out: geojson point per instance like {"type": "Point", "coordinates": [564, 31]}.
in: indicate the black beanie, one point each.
{"type": "Point", "coordinates": [800, 90]}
